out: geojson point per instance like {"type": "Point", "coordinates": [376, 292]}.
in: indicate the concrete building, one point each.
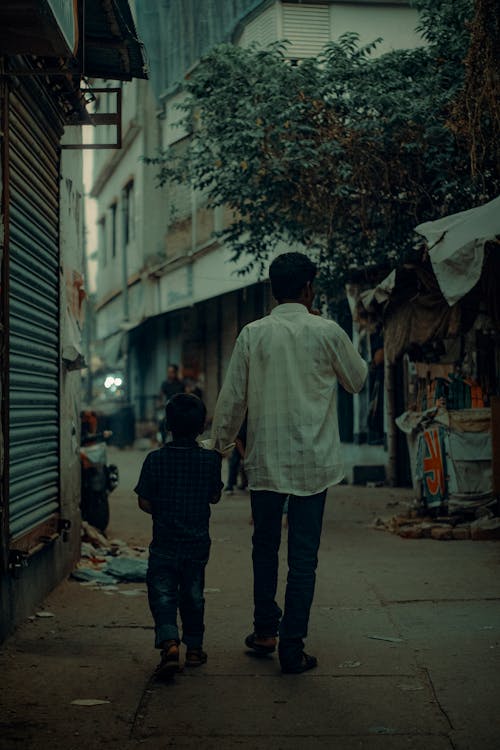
{"type": "Point", "coordinates": [167, 292]}
{"type": "Point", "coordinates": [46, 48]}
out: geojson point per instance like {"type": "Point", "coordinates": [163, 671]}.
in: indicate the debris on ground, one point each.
{"type": "Point", "coordinates": [127, 568]}
{"type": "Point", "coordinates": [105, 562]}
{"type": "Point", "coordinates": [88, 702]}
{"type": "Point", "coordinates": [88, 575]}
{"type": "Point", "coordinates": [131, 592]}
{"type": "Point", "coordinates": [411, 524]}
{"type": "Point", "coordinates": [93, 535]}
{"type": "Point", "coordinates": [388, 638]}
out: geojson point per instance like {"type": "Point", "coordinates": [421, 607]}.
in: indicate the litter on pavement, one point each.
{"type": "Point", "coordinates": [105, 562]}
{"type": "Point", "coordinates": [385, 638]}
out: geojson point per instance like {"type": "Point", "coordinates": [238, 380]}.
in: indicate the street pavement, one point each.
{"type": "Point", "coordinates": [407, 634]}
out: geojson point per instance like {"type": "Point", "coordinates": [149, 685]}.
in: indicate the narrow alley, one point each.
{"type": "Point", "coordinates": [406, 633]}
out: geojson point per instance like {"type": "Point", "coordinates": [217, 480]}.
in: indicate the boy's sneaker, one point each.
{"type": "Point", "coordinates": [195, 657]}
{"type": "Point", "coordinates": [169, 663]}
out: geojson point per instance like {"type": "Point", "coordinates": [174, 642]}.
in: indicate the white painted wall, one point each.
{"type": "Point", "coordinates": [113, 172]}
{"type": "Point", "coordinates": [71, 258]}
{"type": "Point", "coordinates": [308, 27]}
{"type": "Point", "coordinates": [396, 24]}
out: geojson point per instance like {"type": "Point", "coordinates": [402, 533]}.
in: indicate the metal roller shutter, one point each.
{"type": "Point", "coordinates": [33, 310]}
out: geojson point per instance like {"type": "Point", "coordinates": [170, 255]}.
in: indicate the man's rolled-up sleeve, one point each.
{"type": "Point", "coordinates": [231, 404]}
{"type": "Point", "coordinates": [350, 368]}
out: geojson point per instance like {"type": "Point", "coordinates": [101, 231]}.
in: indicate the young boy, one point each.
{"type": "Point", "coordinates": [177, 484]}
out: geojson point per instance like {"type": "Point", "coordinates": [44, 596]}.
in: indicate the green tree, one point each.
{"type": "Point", "coordinates": [345, 153]}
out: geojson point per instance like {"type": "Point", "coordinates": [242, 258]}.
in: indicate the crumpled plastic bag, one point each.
{"type": "Point", "coordinates": [89, 574]}
{"type": "Point", "coordinates": [128, 569]}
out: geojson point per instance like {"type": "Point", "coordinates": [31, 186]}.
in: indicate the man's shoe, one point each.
{"type": "Point", "coordinates": [269, 647]}
{"type": "Point", "coordinates": [305, 663]}
{"type": "Point", "coordinates": [195, 657]}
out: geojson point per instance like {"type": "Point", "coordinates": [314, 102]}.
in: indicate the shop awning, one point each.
{"type": "Point", "coordinates": [109, 47]}
{"type": "Point", "coordinates": [98, 38]}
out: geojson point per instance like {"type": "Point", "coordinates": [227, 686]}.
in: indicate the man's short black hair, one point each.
{"type": "Point", "coordinates": [185, 415]}
{"type": "Point", "coordinates": [289, 273]}
{"type": "Point", "coordinates": [174, 367]}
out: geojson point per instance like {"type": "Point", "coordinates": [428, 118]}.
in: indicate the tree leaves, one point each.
{"type": "Point", "coordinates": [345, 153]}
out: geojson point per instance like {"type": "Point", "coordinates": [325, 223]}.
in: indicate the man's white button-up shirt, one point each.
{"type": "Point", "coordinates": [283, 373]}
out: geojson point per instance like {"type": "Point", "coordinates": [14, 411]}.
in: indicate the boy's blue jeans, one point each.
{"type": "Point", "coordinates": [305, 520]}
{"type": "Point", "coordinates": [176, 585]}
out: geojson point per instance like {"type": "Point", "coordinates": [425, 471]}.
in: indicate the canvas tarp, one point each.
{"type": "Point", "coordinates": [419, 302]}
{"type": "Point", "coordinates": [412, 308]}
{"type": "Point", "coordinates": [456, 247]}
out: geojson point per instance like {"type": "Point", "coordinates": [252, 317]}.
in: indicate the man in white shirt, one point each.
{"type": "Point", "coordinates": [283, 373]}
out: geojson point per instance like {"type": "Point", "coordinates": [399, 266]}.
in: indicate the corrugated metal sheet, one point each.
{"type": "Point", "coordinates": [33, 312]}
{"type": "Point", "coordinates": [307, 27]}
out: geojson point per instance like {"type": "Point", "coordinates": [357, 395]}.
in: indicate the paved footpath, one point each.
{"type": "Point", "coordinates": [407, 633]}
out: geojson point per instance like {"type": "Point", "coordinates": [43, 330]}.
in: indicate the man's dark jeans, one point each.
{"type": "Point", "coordinates": [176, 585]}
{"type": "Point", "coordinates": [305, 519]}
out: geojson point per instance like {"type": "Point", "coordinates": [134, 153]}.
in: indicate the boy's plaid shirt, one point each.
{"type": "Point", "coordinates": [180, 481]}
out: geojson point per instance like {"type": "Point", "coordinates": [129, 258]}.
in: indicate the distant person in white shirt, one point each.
{"type": "Point", "coordinates": [284, 372]}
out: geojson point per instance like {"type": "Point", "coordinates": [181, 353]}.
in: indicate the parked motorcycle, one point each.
{"type": "Point", "coordinates": [99, 478]}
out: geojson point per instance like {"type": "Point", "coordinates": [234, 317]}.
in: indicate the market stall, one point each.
{"type": "Point", "coordinates": [441, 320]}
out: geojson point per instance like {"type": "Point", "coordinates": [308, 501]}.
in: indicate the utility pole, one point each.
{"type": "Point", "coordinates": [126, 313]}
{"type": "Point", "coordinates": [89, 319]}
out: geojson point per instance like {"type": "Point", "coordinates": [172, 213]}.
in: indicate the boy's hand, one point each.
{"type": "Point", "coordinates": [210, 445]}
{"type": "Point", "coordinates": [215, 498]}
{"type": "Point", "coordinates": [144, 505]}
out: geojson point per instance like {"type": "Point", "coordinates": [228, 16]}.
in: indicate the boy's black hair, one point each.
{"type": "Point", "coordinates": [185, 415]}
{"type": "Point", "coordinates": [289, 273]}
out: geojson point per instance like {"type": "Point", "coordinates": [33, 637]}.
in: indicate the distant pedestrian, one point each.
{"type": "Point", "coordinates": [172, 385]}
{"type": "Point", "coordinates": [178, 482]}
{"type": "Point", "coordinates": [284, 372]}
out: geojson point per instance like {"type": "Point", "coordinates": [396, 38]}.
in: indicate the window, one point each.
{"type": "Point", "coordinates": [129, 208]}
{"type": "Point", "coordinates": [113, 209]}
{"type": "Point", "coordinates": [103, 250]}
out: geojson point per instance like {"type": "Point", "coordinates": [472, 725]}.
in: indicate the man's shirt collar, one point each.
{"type": "Point", "coordinates": [289, 307]}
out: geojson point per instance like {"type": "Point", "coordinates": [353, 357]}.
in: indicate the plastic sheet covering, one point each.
{"type": "Point", "coordinates": [456, 245]}
{"type": "Point", "coordinates": [452, 455]}
{"type": "Point", "coordinates": [468, 463]}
